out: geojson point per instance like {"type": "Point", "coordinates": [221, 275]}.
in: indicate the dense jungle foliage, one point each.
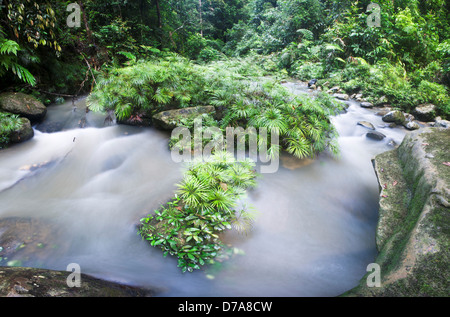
{"type": "Point", "coordinates": [406, 58]}
{"type": "Point", "coordinates": [138, 58]}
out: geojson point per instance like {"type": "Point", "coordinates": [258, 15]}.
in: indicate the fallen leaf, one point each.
{"type": "Point", "coordinates": [385, 186]}
{"type": "Point", "coordinates": [395, 183]}
{"type": "Point", "coordinates": [446, 163]}
{"type": "Point", "coordinates": [425, 144]}
{"type": "Point", "coordinates": [384, 196]}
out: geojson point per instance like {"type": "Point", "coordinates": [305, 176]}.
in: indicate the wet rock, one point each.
{"type": "Point", "coordinates": [312, 83]}
{"type": "Point", "coordinates": [375, 135]}
{"type": "Point", "coordinates": [411, 125]}
{"type": "Point", "coordinates": [366, 105]}
{"type": "Point", "coordinates": [24, 133]}
{"type": "Point", "coordinates": [23, 105]}
{"type": "Point", "coordinates": [366, 124]}
{"type": "Point", "coordinates": [23, 239]}
{"type": "Point", "coordinates": [381, 113]}
{"type": "Point", "coordinates": [409, 117]}
{"type": "Point", "coordinates": [439, 123]}
{"type": "Point", "coordinates": [395, 116]}
{"type": "Point", "coordinates": [411, 234]}
{"type": "Point", "coordinates": [392, 143]}
{"type": "Point", "coordinates": [334, 90]}
{"type": "Point", "coordinates": [169, 120]}
{"type": "Point", "coordinates": [37, 282]}
{"type": "Point", "coordinates": [342, 96]}
{"type": "Point", "coordinates": [425, 112]}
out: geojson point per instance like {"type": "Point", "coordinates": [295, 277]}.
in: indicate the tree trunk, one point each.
{"type": "Point", "coordinates": [86, 24]}
{"type": "Point", "coordinates": [201, 17]}
{"type": "Point", "coordinates": [158, 12]}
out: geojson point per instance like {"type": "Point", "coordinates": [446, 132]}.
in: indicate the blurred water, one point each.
{"type": "Point", "coordinates": [314, 232]}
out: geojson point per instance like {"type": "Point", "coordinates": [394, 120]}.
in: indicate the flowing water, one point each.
{"type": "Point", "coordinates": [314, 231]}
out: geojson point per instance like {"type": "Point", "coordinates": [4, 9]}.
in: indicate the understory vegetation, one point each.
{"type": "Point", "coordinates": [235, 87]}
{"type": "Point", "coordinates": [209, 200]}
{"type": "Point", "coordinates": [8, 124]}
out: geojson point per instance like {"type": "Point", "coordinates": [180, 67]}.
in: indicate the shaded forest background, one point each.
{"type": "Point", "coordinates": [406, 59]}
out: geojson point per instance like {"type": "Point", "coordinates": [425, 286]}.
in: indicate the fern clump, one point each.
{"type": "Point", "coordinates": [148, 87]}
{"type": "Point", "coordinates": [207, 203]}
{"type": "Point", "coordinates": [8, 124]}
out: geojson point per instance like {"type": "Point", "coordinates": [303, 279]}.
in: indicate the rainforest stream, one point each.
{"type": "Point", "coordinates": [314, 230]}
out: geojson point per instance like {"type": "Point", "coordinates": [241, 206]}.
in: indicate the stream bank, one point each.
{"type": "Point", "coordinates": [33, 282]}
{"type": "Point", "coordinates": [414, 223]}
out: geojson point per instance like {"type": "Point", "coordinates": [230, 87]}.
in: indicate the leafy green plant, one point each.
{"type": "Point", "coordinates": [188, 226]}
{"type": "Point", "coordinates": [9, 61]}
{"type": "Point", "coordinates": [8, 124]}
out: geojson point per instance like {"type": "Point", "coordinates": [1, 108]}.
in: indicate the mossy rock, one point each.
{"type": "Point", "coordinates": [413, 233]}
{"type": "Point", "coordinates": [395, 116]}
{"type": "Point", "coordinates": [23, 105]}
{"type": "Point", "coordinates": [34, 282]}
{"type": "Point", "coordinates": [425, 112]}
{"type": "Point", "coordinates": [170, 119]}
{"type": "Point", "coordinates": [24, 133]}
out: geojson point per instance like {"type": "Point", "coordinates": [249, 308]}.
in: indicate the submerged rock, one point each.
{"type": "Point", "coordinates": [24, 238]}
{"type": "Point", "coordinates": [366, 124]}
{"type": "Point", "coordinates": [375, 135]}
{"type": "Point", "coordinates": [381, 113]}
{"type": "Point", "coordinates": [30, 241]}
{"type": "Point", "coordinates": [24, 105]}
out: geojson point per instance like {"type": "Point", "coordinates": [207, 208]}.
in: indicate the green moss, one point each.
{"type": "Point", "coordinates": [415, 257]}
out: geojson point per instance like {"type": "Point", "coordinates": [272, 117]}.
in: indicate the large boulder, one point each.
{"type": "Point", "coordinates": [24, 105]}
{"type": "Point", "coordinates": [425, 112]}
{"type": "Point", "coordinates": [170, 119]}
{"type": "Point", "coordinates": [412, 232]}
